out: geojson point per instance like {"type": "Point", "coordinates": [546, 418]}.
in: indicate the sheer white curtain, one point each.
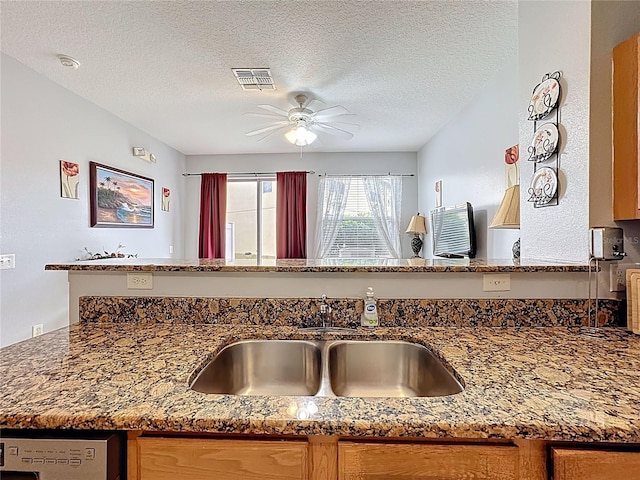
{"type": "Point", "coordinates": [384, 195]}
{"type": "Point", "coordinates": [332, 201]}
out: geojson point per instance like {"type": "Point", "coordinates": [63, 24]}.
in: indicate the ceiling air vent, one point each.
{"type": "Point", "coordinates": [254, 78]}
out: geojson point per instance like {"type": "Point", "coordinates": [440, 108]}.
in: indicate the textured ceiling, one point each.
{"type": "Point", "coordinates": [404, 67]}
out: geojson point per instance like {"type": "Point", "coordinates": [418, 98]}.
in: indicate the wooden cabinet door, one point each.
{"type": "Point", "coordinates": [626, 129]}
{"type": "Point", "coordinates": [384, 461]}
{"type": "Point", "coordinates": [213, 459]}
{"type": "Point", "coordinates": [570, 464]}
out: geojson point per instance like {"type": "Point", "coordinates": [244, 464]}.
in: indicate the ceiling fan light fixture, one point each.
{"type": "Point", "coordinates": [300, 136]}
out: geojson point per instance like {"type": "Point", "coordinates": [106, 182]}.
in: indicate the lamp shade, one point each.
{"type": "Point", "coordinates": [300, 136]}
{"type": "Point", "coordinates": [417, 224]}
{"type": "Point", "coordinates": [508, 214]}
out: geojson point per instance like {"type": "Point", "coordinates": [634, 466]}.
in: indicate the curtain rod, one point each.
{"type": "Point", "coordinates": [369, 175]}
{"type": "Point", "coordinates": [240, 173]}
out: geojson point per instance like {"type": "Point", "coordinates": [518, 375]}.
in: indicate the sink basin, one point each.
{"type": "Point", "coordinates": [387, 369]}
{"type": "Point", "coordinates": [344, 368]}
{"type": "Point", "coordinates": [263, 367]}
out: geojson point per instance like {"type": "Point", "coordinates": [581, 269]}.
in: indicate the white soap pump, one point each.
{"type": "Point", "coordinates": [370, 313]}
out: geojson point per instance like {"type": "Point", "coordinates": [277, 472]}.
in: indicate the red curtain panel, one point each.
{"type": "Point", "coordinates": [291, 215]}
{"type": "Point", "coordinates": [213, 214]}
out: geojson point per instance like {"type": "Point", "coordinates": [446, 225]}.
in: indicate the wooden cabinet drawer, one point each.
{"type": "Point", "coordinates": [209, 459]}
{"type": "Point", "coordinates": [361, 461]}
{"type": "Point", "coordinates": [574, 464]}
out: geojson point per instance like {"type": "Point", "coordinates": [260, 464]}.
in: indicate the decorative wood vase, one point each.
{"type": "Point", "coordinates": [416, 245]}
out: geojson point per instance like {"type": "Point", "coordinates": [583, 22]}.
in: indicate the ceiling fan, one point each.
{"type": "Point", "coordinates": [303, 124]}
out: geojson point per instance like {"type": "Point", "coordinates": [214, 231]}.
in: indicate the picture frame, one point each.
{"type": "Point", "coordinates": [120, 198]}
{"type": "Point", "coordinates": [166, 198]}
{"type": "Point", "coordinates": [69, 180]}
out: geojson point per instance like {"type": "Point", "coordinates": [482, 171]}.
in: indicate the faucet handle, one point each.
{"type": "Point", "coordinates": [324, 306]}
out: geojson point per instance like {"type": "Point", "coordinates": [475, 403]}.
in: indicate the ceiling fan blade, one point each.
{"type": "Point", "coordinates": [353, 127]}
{"type": "Point", "coordinates": [274, 126]}
{"type": "Point", "coordinates": [334, 117]}
{"type": "Point", "coordinates": [263, 115]}
{"type": "Point", "coordinates": [331, 130]}
{"type": "Point", "coordinates": [273, 109]}
{"type": "Point", "coordinates": [315, 105]}
{"type": "Point", "coordinates": [331, 111]}
{"type": "Point", "coordinates": [273, 131]}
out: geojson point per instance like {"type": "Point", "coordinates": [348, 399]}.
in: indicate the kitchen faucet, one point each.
{"type": "Point", "coordinates": [325, 313]}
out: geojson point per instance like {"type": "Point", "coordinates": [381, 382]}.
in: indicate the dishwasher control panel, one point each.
{"type": "Point", "coordinates": [62, 458]}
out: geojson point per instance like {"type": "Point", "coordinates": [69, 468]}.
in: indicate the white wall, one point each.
{"type": "Point", "coordinates": [321, 163]}
{"type": "Point", "coordinates": [43, 123]}
{"type": "Point", "coordinates": [467, 154]}
{"type": "Point", "coordinates": [555, 35]}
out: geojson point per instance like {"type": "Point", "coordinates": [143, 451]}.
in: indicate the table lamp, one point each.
{"type": "Point", "coordinates": [508, 214]}
{"type": "Point", "coordinates": [417, 226]}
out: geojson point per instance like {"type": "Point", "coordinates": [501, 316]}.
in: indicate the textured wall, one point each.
{"type": "Point", "coordinates": [321, 163]}
{"type": "Point", "coordinates": [557, 37]}
{"type": "Point", "coordinates": [43, 123]}
{"type": "Point", "coordinates": [468, 156]}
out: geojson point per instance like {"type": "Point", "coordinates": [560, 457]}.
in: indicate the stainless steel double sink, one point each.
{"type": "Point", "coordinates": [343, 368]}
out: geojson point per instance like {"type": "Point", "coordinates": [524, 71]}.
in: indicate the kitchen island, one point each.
{"type": "Point", "coordinates": [527, 386]}
{"type": "Point", "coordinates": [442, 283]}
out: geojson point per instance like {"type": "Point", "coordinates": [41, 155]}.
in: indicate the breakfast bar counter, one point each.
{"type": "Point", "coordinates": [549, 383]}
{"type": "Point", "coordinates": [361, 265]}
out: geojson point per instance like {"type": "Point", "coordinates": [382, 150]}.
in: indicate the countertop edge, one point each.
{"type": "Point", "coordinates": [302, 266]}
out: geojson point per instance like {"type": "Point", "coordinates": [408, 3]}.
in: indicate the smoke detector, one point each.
{"type": "Point", "coordinates": [68, 61]}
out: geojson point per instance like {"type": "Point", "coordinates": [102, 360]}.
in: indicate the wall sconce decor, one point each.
{"type": "Point", "coordinates": [417, 226]}
{"type": "Point", "coordinates": [544, 149]}
{"type": "Point", "coordinates": [140, 152]}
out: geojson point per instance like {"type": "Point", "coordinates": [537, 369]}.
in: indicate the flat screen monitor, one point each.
{"type": "Point", "coordinates": [453, 231]}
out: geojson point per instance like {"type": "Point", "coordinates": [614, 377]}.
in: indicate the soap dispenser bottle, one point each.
{"type": "Point", "coordinates": [370, 313]}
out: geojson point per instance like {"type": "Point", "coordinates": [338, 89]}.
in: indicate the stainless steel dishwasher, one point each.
{"type": "Point", "coordinates": [75, 455]}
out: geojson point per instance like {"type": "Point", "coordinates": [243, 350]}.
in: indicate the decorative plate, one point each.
{"type": "Point", "coordinates": [544, 185]}
{"type": "Point", "coordinates": [544, 99]}
{"type": "Point", "coordinates": [544, 142]}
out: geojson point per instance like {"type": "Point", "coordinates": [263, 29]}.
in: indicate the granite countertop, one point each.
{"type": "Point", "coordinates": [411, 265]}
{"type": "Point", "coordinates": [545, 383]}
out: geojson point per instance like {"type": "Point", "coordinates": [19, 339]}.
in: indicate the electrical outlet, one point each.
{"type": "Point", "coordinates": [37, 330]}
{"type": "Point", "coordinates": [140, 281]}
{"type": "Point", "coordinates": [7, 261]}
{"type": "Point", "coordinates": [497, 282]}
{"type": "Point", "coordinates": [170, 249]}
{"type": "Point", "coordinates": [618, 276]}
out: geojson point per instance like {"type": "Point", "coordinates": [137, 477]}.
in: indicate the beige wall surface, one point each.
{"type": "Point", "coordinates": [43, 123]}
{"type": "Point", "coordinates": [467, 155]}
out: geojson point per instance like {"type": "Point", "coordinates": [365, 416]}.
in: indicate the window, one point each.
{"type": "Point", "coordinates": [358, 217]}
{"type": "Point", "coordinates": [251, 218]}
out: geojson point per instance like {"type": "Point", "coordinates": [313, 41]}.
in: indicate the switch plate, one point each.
{"type": "Point", "coordinates": [7, 261]}
{"type": "Point", "coordinates": [140, 281]}
{"type": "Point", "coordinates": [37, 330]}
{"type": "Point", "coordinates": [496, 282]}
